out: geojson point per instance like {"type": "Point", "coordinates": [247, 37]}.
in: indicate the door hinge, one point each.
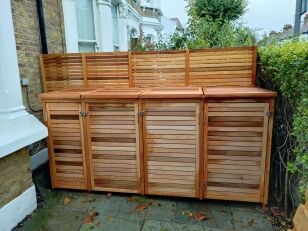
{"type": "Point", "coordinates": [269, 113]}
{"type": "Point", "coordinates": [141, 113]}
{"type": "Point", "coordinates": [204, 119]}
{"type": "Point", "coordinates": [83, 113]}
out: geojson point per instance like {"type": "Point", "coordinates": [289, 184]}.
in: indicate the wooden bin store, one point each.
{"type": "Point", "coordinates": [177, 123]}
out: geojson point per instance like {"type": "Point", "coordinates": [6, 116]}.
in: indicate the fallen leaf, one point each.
{"type": "Point", "coordinates": [139, 208]}
{"type": "Point", "coordinates": [109, 219]}
{"type": "Point", "coordinates": [67, 200]}
{"type": "Point", "coordinates": [252, 222]}
{"type": "Point", "coordinates": [109, 195]}
{"type": "Point", "coordinates": [190, 214]}
{"type": "Point", "coordinates": [200, 216]}
{"type": "Point", "coordinates": [90, 217]}
{"type": "Point", "coordinates": [150, 203]}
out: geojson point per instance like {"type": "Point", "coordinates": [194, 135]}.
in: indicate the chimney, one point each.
{"type": "Point", "coordinates": [287, 27]}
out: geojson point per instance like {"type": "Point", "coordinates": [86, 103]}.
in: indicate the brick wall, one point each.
{"type": "Point", "coordinates": [28, 46]}
{"type": "Point", "coordinates": [28, 43]}
{"type": "Point", "coordinates": [15, 177]}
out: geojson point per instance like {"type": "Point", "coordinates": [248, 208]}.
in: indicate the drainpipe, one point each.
{"type": "Point", "coordinates": [40, 13]}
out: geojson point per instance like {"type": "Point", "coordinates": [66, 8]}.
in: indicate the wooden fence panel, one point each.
{"type": "Point", "coordinates": [155, 69]}
{"type": "Point", "coordinates": [61, 71]}
{"type": "Point", "coordinates": [107, 69]}
{"type": "Point", "coordinates": [203, 67]}
{"type": "Point", "coordinates": [222, 67]}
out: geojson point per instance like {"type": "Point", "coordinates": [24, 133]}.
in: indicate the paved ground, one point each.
{"type": "Point", "coordinates": [64, 210]}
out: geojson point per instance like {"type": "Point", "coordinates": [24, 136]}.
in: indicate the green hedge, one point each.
{"type": "Point", "coordinates": [286, 65]}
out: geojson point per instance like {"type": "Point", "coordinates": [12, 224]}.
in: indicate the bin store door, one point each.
{"type": "Point", "coordinates": [171, 146]}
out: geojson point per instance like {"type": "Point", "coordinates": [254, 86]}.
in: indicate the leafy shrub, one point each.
{"type": "Point", "coordinates": [287, 66]}
{"type": "Point", "coordinates": [218, 10]}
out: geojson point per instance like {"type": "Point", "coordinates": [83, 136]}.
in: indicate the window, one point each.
{"type": "Point", "coordinates": [115, 27]}
{"type": "Point", "coordinates": [85, 26]}
{"type": "Point", "coordinates": [149, 38]}
{"type": "Point", "coordinates": [80, 23]}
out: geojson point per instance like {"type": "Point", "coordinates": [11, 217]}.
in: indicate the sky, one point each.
{"type": "Point", "coordinates": [262, 15]}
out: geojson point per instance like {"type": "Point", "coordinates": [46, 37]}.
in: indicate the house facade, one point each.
{"type": "Point", "coordinates": [110, 25]}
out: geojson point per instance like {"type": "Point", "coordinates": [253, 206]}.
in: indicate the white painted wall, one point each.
{"type": "Point", "coordinates": [16, 210]}
{"type": "Point", "coordinates": [169, 26]}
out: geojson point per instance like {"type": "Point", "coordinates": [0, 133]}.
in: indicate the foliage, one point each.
{"type": "Point", "coordinates": [217, 28]}
{"type": "Point", "coordinates": [218, 10]}
{"type": "Point", "coordinates": [141, 44]}
{"type": "Point", "coordinates": [287, 66]}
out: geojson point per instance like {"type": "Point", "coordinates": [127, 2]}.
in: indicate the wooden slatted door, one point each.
{"type": "Point", "coordinates": [66, 146]}
{"type": "Point", "coordinates": [236, 150]}
{"type": "Point", "coordinates": [113, 133]}
{"type": "Point", "coordinates": [171, 146]}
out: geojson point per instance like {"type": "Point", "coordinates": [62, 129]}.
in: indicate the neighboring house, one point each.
{"type": "Point", "coordinates": [170, 25]}
{"type": "Point", "coordinates": [304, 29]}
{"type": "Point", "coordinates": [110, 25]}
{"type": "Point", "coordinates": [288, 31]}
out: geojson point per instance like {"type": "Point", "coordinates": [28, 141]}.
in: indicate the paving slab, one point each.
{"type": "Point", "coordinates": [152, 225]}
{"type": "Point", "coordinates": [111, 224]}
{"type": "Point", "coordinates": [68, 210]}
{"type": "Point", "coordinates": [250, 220]}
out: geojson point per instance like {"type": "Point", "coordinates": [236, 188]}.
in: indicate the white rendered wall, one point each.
{"type": "Point", "coordinates": [168, 25]}
{"type": "Point", "coordinates": [151, 26]}
{"type": "Point", "coordinates": [15, 211]}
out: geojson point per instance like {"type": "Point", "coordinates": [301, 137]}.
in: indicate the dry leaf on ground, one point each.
{"type": "Point", "coordinates": [252, 222]}
{"type": "Point", "coordinates": [90, 217]}
{"type": "Point", "coordinates": [66, 200]}
{"type": "Point", "coordinates": [109, 195]}
{"type": "Point", "coordinates": [139, 208]}
{"type": "Point", "coordinates": [109, 218]}
{"type": "Point", "coordinates": [200, 216]}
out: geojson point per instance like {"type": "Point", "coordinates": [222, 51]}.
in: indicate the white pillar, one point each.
{"type": "Point", "coordinates": [105, 24]}
{"type": "Point", "coordinates": [123, 11]}
{"type": "Point", "coordinates": [17, 127]}
{"type": "Point", "coordinates": [10, 92]}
